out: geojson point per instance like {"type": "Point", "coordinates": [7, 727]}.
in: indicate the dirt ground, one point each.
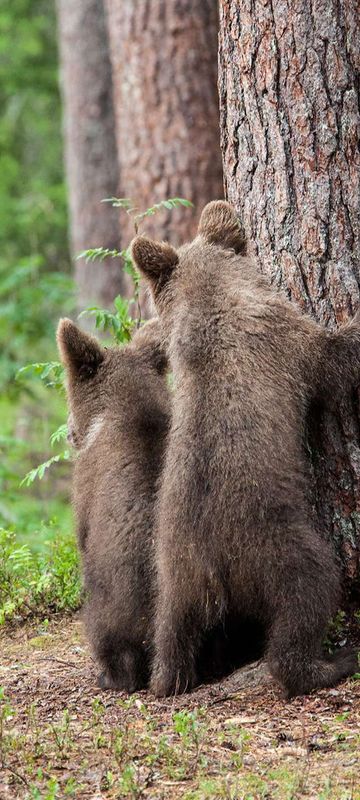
{"type": "Point", "coordinates": [60, 736]}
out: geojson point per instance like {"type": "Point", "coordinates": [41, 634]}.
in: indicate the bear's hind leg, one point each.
{"type": "Point", "coordinates": [300, 670]}
{"type": "Point", "coordinates": [123, 659]}
{"type": "Point", "coordinates": [308, 591]}
{"type": "Point", "coordinates": [125, 665]}
{"type": "Point", "coordinates": [177, 642]}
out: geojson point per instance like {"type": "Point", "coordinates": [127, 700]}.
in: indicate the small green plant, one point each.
{"type": "Point", "coordinates": [52, 373]}
{"type": "Point", "coordinates": [51, 791]}
{"type": "Point", "coordinates": [6, 713]}
{"type": "Point", "coordinates": [59, 435]}
{"type": "Point", "coordinates": [32, 583]}
{"type": "Point", "coordinates": [337, 631]}
{"type": "Point", "coordinates": [190, 727]}
{"type": "Point", "coordinates": [129, 783]}
{"type": "Point", "coordinates": [119, 324]}
{"type": "Point", "coordinates": [61, 733]}
{"type": "Point", "coordinates": [128, 206]}
{"type": "Point", "coordinates": [186, 725]}
{"type": "Point", "coordinates": [98, 711]}
{"type": "Point", "coordinates": [39, 471]}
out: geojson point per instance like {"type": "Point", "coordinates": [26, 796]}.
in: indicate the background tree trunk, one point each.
{"type": "Point", "coordinates": [289, 98]}
{"type": "Point", "coordinates": [90, 146]}
{"type": "Point", "coordinates": [164, 57]}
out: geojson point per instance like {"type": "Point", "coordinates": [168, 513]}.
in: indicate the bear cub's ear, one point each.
{"type": "Point", "coordinates": [220, 225]}
{"type": "Point", "coordinates": [153, 259]}
{"type": "Point", "coordinates": [80, 353]}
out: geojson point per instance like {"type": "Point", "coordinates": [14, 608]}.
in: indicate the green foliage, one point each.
{"type": "Point", "coordinates": [34, 259]}
{"type": "Point", "coordinates": [168, 205]}
{"type": "Point", "coordinates": [58, 435]}
{"type": "Point", "coordinates": [165, 205]}
{"type": "Point", "coordinates": [52, 373]}
{"type": "Point", "coordinates": [186, 725]}
{"type": "Point", "coordinates": [39, 471]}
{"type": "Point", "coordinates": [30, 301]}
{"type": "Point", "coordinates": [42, 583]}
{"type": "Point", "coordinates": [35, 288]}
{"type": "Point", "coordinates": [32, 193]}
{"type": "Point", "coordinates": [27, 422]}
{"type": "Point", "coordinates": [99, 253]}
{"type": "Point", "coordinates": [120, 324]}
{"type": "Point", "coordinates": [120, 202]}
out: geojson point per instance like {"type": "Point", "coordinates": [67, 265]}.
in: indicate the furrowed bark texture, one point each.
{"type": "Point", "coordinates": [164, 57]}
{"type": "Point", "coordinates": [289, 105]}
{"type": "Point", "coordinates": [90, 146]}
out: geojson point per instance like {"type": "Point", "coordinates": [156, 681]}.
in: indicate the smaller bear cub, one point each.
{"type": "Point", "coordinates": [119, 415]}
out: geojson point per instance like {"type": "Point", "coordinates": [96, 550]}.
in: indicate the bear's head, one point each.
{"type": "Point", "coordinates": [106, 383]}
{"type": "Point", "coordinates": [219, 233]}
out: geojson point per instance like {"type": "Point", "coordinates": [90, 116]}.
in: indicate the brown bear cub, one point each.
{"type": "Point", "coordinates": [119, 408]}
{"type": "Point", "coordinates": [234, 533]}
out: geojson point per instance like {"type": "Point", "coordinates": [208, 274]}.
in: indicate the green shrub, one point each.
{"type": "Point", "coordinates": [39, 584]}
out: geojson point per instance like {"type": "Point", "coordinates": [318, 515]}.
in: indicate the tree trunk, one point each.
{"type": "Point", "coordinates": [90, 146]}
{"type": "Point", "coordinates": [164, 57]}
{"type": "Point", "coordinates": [289, 100]}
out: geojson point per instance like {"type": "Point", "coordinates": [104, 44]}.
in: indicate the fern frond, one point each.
{"type": "Point", "coordinates": [39, 471]}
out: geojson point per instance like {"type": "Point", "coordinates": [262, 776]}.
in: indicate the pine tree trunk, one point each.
{"type": "Point", "coordinates": [164, 57]}
{"type": "Point", "coordinates": [90, 146]}
{"type": "Point", "coordinates": [290, 124]}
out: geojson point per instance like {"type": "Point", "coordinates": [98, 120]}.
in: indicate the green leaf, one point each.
{"type": "Point", "coordinates": [59, 434]}
{"type": "Point", "coordinates": [99, 253]}
{"type": "Point", "coordinates": [39, 471]}
{"type": "Point", "coordinates": [169, 204]}
{"type": "Point", "coordinates": [120, 202]}
{"type": "Point", "coordinates": [119, 324]}
{"type": "Point", "coordinates": [52, 373]}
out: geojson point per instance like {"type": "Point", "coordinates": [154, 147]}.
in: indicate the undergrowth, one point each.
{"type": "Point", "coordinates": [125, 748]}
{"type": "Point", "coordinates": [37, 583]}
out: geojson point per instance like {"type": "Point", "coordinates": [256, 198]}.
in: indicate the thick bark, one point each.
{"type": "Point", "coordinates": [164, 57]}
{"type": "Point", "coordinates": [90, 146]}
{"type": "Point", "coordinates": [289, 98]}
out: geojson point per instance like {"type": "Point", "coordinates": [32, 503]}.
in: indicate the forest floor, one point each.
{"type": "Point", "coordinates": [60, 736]}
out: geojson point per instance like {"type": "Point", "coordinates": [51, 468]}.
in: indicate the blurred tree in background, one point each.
{"type": "Point", "coordinates": [35, 282]}
{"type": "Point", "coordinates": [164, 73]}
{"type": "Point", "coordinates": [32, 192]}
{"type": "Point", "coordinates": [33, 219]}
{"type": "Point", "coordinates": [141, 120]}
{"type": "Point", "coordinates": [90, 147]}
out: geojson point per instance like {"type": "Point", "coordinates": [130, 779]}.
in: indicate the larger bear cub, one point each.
{"type": "Point", "coordinates": [119, 407]}
{"type": "Point", "coordinates": [233, 527]}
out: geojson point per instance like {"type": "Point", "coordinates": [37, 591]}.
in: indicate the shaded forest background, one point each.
{"type": "Point", "coordinates": [86, 117]}
{"type": "Point", "coordinates": [104, 99]}
{"type": "Point", "coordinates": [35, 274]}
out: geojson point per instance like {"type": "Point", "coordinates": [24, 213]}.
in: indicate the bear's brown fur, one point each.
{"type": "Point", "coordinates": [119, 415]}
{"type": "Point", "coordinates": [234, 533]}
